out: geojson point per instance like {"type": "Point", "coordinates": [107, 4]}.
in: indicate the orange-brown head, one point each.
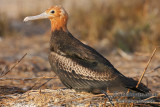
{"type": "Point", "coordinates": [57, 15]}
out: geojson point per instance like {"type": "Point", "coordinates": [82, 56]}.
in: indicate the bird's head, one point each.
{"type": "Point", "coordinates": [57, 15]}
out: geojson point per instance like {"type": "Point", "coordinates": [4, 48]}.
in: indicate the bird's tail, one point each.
{"type": "Point", "coordinates": [131, 84]}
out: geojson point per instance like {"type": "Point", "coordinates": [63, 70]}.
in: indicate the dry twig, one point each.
{"type": "Point", "coordinates": [146, 67]}
{"type": "Point", "coordinates": [154, 70]}
{"type": "Point", "coordinates": [44, 83]}
{"type": "Point", "coordinates": [153, 53]}
{"type": "Point", "coordinates": [13, 66]}
{"type": "Point", "coordinates": [27, 79]}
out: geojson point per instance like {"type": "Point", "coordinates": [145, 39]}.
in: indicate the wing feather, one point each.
{"type": "Point", "coordinates": [78, 70]}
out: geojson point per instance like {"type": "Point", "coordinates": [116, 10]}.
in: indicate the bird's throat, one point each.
{"type": "Point", "coordinates": [58, 24]}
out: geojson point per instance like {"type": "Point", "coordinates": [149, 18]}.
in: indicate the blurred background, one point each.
{"type": "Point", "coordinates": [124, 31]}
{"type": "Point", "coordinates": [105, 24]}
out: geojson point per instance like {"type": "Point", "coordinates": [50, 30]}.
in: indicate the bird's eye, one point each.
{"type": "Point", "coordinates": [52, 11]}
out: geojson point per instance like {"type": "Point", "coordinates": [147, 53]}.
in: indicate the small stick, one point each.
{"type": "Point", "coordinates": [106, 95]}
{"type": "Point", "coordinates": [153, 53]}
{"type": "Point", "coordinates": [26, 79]}
{"type": "Point", "coordinates": [14, 65]}
{"type": "Point", "coordinates": [154, 69]}
{"type": "Point", "coordinates": [44, 83]}
{"type": "Point", "coordinates": [149, 98]}
{"type": "Point", "coordinates": [34, 84]}
{"type": "Point", "coordinates": [146, 67]}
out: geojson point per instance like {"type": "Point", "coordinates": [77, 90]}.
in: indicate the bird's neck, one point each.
{"type": "Point", "coordinates": [58, 24]}
{"type": "Point", "coordinates": [61, 41]}
{"type": "Point", "coordinates": [58, 39]}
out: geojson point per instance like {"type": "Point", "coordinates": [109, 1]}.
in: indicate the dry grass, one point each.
{"type": "Point", "coordinates": [122, 24]}
{"type": "Point", "coordinates": [62, 97]}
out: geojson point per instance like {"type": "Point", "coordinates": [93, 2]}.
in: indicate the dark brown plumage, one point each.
{"type": "Point", "coordinates": [82, 68]}
{"type": "Point", "coordinates": [79, 66]}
